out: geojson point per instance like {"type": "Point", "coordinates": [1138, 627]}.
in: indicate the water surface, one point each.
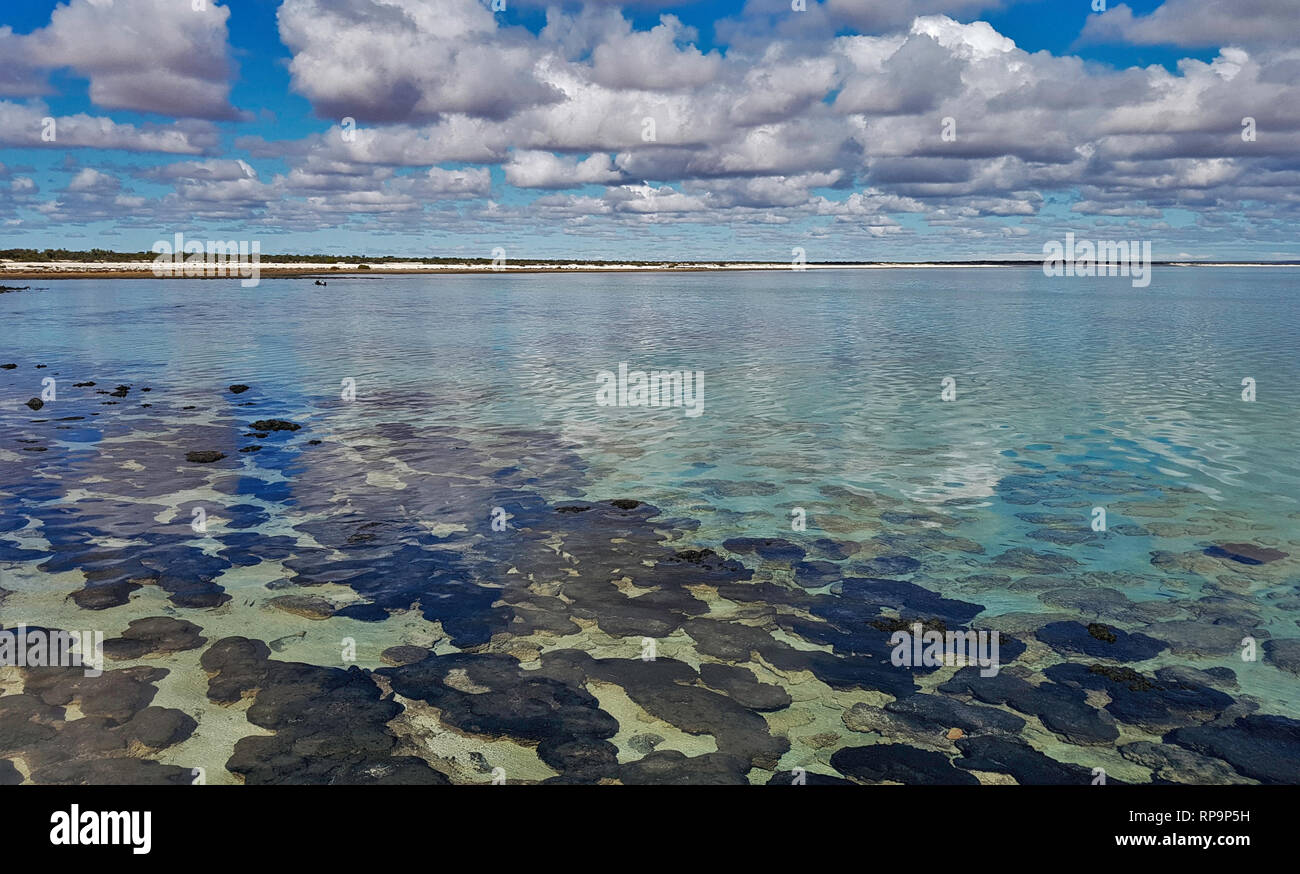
{"type": "Point", "coordinates": [476, 399]}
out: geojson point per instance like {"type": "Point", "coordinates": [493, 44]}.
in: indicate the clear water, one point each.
{"type": "Point", "coordinates": [821, 391]}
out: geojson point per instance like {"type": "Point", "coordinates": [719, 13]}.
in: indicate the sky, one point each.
{"type": "Point", "coordinates": [852, 130]}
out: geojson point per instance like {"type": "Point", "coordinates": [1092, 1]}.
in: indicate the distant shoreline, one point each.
{"type": "Point", "coordinates": [270, 269]}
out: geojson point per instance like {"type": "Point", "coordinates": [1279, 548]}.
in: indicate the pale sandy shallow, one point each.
{"type": "Point", "coordinates": [270, 268]}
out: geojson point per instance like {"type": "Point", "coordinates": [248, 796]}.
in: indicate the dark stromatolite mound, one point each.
{"type": "Point", "coordinates": [581, 759]}
{"type": "Point", "coordinates": [743, 687]}
{"type": "Point", "coordinates": [767, 548]}
{"type": "Point", "coordinates": [816, 574]}
{"type": "Point", "coordinates": [1216, 677]}
{"type": "Point", "coordinates": [835, 550]}
{"type": "Point", "coordinates": [108, 742]}
{"type": "Point", "coordinates": [1265, 748]}
{"type": "Point", "coordinates": [266, 425]}
{"type": "Point", "coordinates": [1064, 710]}
{"type": "Point", "coordinates": [156, 635]}
{"type": "Point", "coordinates": [1149, 702]}
{"type": "Point", "coordinates": [910, 600]}
{"type": "Point", "coordinates": [403, 655]}
{"type": "Point", "coordinates": [899, 763]}
{"type": "Point", "coordinates": [111, 574]}
{"type": "Point", "coordinates": [331, 725]}
{"type": "Point", "coordinates": [204, 456]}
{"type": "Point", "coordinates": [306, 606]}
{"type": "Point", "coordinates": [705, 566]}
{"type": "Point", "coordinates": [942, 712]}
{"type": "Point", "coordinates": [668, 690]}
{"type": "Point", "coordinates": [396, 579]}
{"type": "Point", "coordinates": [114, 695]}
{"type": "Point", "coordinates": [1245, 553]}
{"type": "Point", "coordinates": [238, 388]}
{"type": "Point", "coordinates": [1108, 604]}
{"type": "Point", "coordinates": [1029, 561]}
{"type": "Point", "coordinates": [733, 641]}
{"type": "Point", "coordinates": [1284, 653]}
{"type": "Point", "coordinates": [1063, 536]}
{"type": "Point", "coordinates": [1202, 637]}
{"type": "Point", "coordinates": [1098, 641]}
{"type": "Point", "coordinates": [1173, 764]}
{"type": "Point", "coordinates": [35, 403]}
{"type": "Point", "coordinates": [113, 772]}
{"type": "Point", "coordinates": [186, 573]}
{"type": "Point", "coordinates": [489, 694]}
{"type": "Point", "coordinates": [1021, 761]}
{"type": "Point", "coordinates": [890, 565]}
{"type": "Point", "coordinates": [673, 768]}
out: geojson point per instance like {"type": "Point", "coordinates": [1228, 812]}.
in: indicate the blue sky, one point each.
{"type": "Point", "coordinates": [854, 130]}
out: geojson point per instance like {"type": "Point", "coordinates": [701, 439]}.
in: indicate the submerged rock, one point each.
{"type": "Point", "coordinates": [1017, 758]}
{"type": "Point", "coordinates": [1027, 560]}
{"type": "Point", "coordinates": [890, 565]}
{"type": "Point", "coordinates": [743, 687]}
{"type": "Point", "coordinates": [899, 763]}
{"type": "Point", "coordinates": [1064, 710]}
{"type": "Point", "coordinates": [1099, 641]}
{"type": "Point", "coordinates": [156, 635]}
{"type": "Point", "coordinates": [1154, 704]}
{"type": "Point", "coordinates": [1203, 638]}
{"type": "Point", "coordinates": [674, 768]}
{"type": "Point", "coordinates": [330, 725]}
{"type": "Point", "coordinates": [1172, 764]}
{"type": "Point", "coordinates": [1284, 653]}
{"type": "Point", "coordinates": [1266, 748]}
{"type": "Point", "coordinates": [768, 548]}
{"type": "Point", "coordinates": [307, 606]}
{"type": "Point", "coordinates": [403, 655]}
{"type": "Point", "coordinates": [942, 711]}
{"type": "Point", "coordinates": [266, 425]}
{"type": "Point", "coordinates": [1245, 553]}
{"type": "Point", "coordinates": [204, 456]}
